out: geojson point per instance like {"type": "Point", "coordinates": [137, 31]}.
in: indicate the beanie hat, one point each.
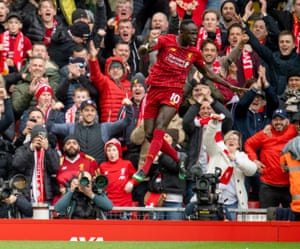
{"type": "Point", "coordinates": [293, 73]}
{"type": "Point", "coordinates": [70, 137]}
{"type": "Point", "coordinates": [80, 29]}
{"type": "Point", "coordinates": [115, 142]}
{"type": "Point", "coordinates": [38, 130]}
{"type": "Point", "coordinates": [138, 78]}
{"type": "Point", "coordinates": [43, 87]}
{"type": "Point", "coordinates": [79, 13]}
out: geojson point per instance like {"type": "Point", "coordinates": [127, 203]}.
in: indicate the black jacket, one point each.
{"type": "Point", "coordinates": [23, 163]}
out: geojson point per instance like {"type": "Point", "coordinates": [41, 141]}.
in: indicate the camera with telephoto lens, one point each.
{"type": "Point", "coordinates": [98, 184]}
{"type": "Point", "coordinates": [205, 188]}
{"type": "Point", "coordinates": [12, 186]}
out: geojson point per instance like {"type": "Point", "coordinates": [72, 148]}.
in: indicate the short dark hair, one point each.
{"type": "Point", "coordinates": [185, 23]}
{"type": "Point", "coordinates": [35, 109]}
{"type": "Point", "coordinates": [208, 41]}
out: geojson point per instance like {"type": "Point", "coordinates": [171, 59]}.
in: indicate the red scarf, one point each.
{"type": "Point", "coordinates": [202, 35]}
{"type": "Point", "coordinates": [38, 192]}
{"type": "Point", "coordinates": [49, 32]}
{"type": "Point", "coordinates": [17, 51]}
{"type": "Point", "coordinates": [226, 175]}
{"type": "Point", "coordinates": [246, 62]}
{"type": "Point", "coordinates": [296, 32]}
{"type": "Point", "coordinates": [70, 115]}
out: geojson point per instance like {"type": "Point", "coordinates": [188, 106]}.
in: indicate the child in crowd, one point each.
{"type": "Point", "coordinates": [14, 46]}
{"type": "Point", "coordinates": [119, 173]}
{"type": "Point", "coordinates": [73, 113]}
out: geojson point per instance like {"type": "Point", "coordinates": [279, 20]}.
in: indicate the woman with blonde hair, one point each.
{"type": "Point", "coordinates": [235, 165]}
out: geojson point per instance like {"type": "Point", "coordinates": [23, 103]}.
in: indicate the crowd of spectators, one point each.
{"type": "Point", "coordinates": [73, 93]}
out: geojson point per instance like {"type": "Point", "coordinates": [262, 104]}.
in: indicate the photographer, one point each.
{"type": "Point", "coordinates": [82, 201]}
{"type": "Point", "coordinates": [15, 205]}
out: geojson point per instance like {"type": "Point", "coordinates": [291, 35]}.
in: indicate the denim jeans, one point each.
{"type": "Point", "coordinates": [228, 214]}
{"type": "Point", "coordinates": [168, 215]}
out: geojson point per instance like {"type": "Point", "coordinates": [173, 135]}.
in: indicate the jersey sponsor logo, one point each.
{"type": "Point", "coordinates": [179, 62]}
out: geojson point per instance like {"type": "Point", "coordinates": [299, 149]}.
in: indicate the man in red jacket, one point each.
{"type": "Point", "coordinates": [274, 188]}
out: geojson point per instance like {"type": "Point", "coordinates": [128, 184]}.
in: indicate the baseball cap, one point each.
{"type": "Point", "coordinates": [14, 14]}
{"type": "Point", "coordinates": [80, 29]}
{"type": "Point", "coordinates": [279, 113]}
{"type": "Point", "coordinates": [88, 102]}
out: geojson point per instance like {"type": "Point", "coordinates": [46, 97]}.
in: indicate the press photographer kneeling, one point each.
{"type": "Point", "coordinates": [13, 204]}
{"type": "Point", "coordinates": [85, 198]}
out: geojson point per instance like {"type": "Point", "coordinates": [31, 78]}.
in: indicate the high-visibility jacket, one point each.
{"type": "Point", "coordinates": [293, 167]}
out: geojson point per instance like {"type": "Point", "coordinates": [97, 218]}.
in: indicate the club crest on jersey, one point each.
{"type": "Point", "coordinates": [189, 56]}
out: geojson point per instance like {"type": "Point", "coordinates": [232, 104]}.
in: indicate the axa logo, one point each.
{"type": "Point", "coordinates": [87, 239]}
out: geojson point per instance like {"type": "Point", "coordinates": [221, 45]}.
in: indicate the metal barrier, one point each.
{"type": "Point", "coordinates": [142, 213]}
{"type": "Point", "coordinates": [250, 214]}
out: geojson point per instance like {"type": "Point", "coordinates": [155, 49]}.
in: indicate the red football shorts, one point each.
{"type": "Point", "coordinates": [158, 96]}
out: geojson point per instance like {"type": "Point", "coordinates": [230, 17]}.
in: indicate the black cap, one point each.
{"type": "Point", "coordinates": [80, 29]}
{"type": "Point", "coordinates": [88, 102]}
{"type": "Point", "coordinates": [79, 13]}
{"type": "Point", "coordinates": [279, 113]}
{"type": "Point", "coordinates": [38, 130]}
{"type": "Point", "coordinates": [15, 15]}
{"type": "Point", "coordinates": [70, 137]}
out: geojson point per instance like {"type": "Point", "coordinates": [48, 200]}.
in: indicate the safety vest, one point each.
{"type": "Point", "coordinates": [294, 176]}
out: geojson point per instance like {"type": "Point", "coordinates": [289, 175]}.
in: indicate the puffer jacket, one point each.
{"type": "Point", "coordinates": [111, 93]}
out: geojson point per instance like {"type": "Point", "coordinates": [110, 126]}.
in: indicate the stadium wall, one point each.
{"type": "Point", "coordinates": [146, 230]}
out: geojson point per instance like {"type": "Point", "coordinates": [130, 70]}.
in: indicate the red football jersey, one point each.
{"type": "Point", "coordinates": [173, 62]}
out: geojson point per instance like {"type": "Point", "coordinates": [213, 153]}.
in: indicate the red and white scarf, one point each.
{"type": "Point", "coordinates": [49, 32]}
{"type": "Point", "coordinates": [202, 122]}
{"type": "Point", "coordinates": [202, 35]}
{"type": "Point", "coordinates": [296, 32]}
{"type": "Point", "coordinates": [17, 51]}
{"type": "Point", "coordinates": [246, 62]}
{"type": "Point", "coordinates": [38, 193]}
{"type": "Point", "coordinates": [70, 115]}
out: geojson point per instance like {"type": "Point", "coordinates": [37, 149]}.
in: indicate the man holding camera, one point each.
{"type": "Point", "coordinates": [82, 200]}
{"type": "Point", "coordinates": [15, 206]}
{"type": "Point", "coordinates": [38, 161]}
